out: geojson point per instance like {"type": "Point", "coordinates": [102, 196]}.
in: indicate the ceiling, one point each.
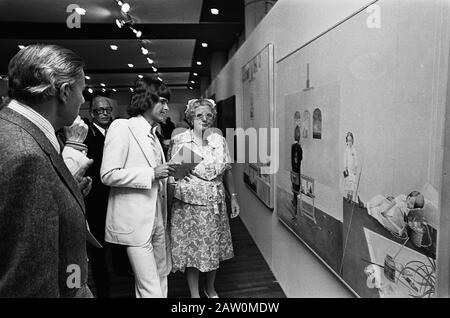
{"type": "Point", "coordinates": [172, 31]}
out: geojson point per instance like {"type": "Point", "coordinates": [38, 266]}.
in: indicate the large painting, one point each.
{"type": "Point", "coordinates": [359, 178]}
{"type": "Point", "coordinates": [258, 81]}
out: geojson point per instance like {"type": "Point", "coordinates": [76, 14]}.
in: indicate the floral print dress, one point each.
{"type": "Point", "coordinates": [199, 227]}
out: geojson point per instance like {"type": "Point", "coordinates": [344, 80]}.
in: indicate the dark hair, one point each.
{"type": "Point", "coordinates": [351, 135]}
{"type": "Point", "coordinates": [37, 71]}
{"type": "Point", "coordinates": [146, 94]}
{"type": "Point", "coordinates": [419, 201]}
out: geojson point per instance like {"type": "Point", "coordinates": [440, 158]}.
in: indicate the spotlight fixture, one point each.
{"type": "Point", "coordinates": [87, 77]}
{"type": "Point", "coordinates": [90, 90]}
{"type": "Point", "coordinates": [136, 32]}
{"type": "Point", "coordinates": [144, 50]}
{"type": "Point", "coordinates": [140, 76]}
{"type": "Point", "coordinates": [102, 85]}
{"type": "Point", "coordinates": [154, 69]}
{"type": "Point", "coordinates": [204, 44]}
{"type": "Point", "coordinates": [80, 11]}
{"type": "Point", "coordinates": [21, 47]}
{"type": "Point", "coordinates": [195, 74]}
{"type": "Point", "coordinates": [113, 47]}
{"type": "Point", "coordinates": [125, 8]}
{"type": "Point", "coordinates": [199, 63]}
{"type": "Point", "coordinates": [131, 89]}
{"type": "Point", "coordinates": [130, 65]}
{"type": "Point", "coordinates": [193, 82]}
{"type": "Point", "coordinates": [214, 11]}
{"type": "Point", "coordinates": [120, 23]}
{"type": "Point", "coordinates": [150, 61]}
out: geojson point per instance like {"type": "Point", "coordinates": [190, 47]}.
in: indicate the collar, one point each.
{"type": "Point", "coordinates": [40, 121]}
{"type": "Point", "coordinates": [101, 129]}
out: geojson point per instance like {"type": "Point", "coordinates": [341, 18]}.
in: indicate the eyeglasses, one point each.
{"type": "Point", "coordinates": [208, 116]}
{"type": "Point", "coordinates": [107, 110]}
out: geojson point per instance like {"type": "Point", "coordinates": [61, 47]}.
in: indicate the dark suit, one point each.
{"type": "Point", "coordinates": [96, 205]}
{"type": "Point", "coordinates": [42, 220]}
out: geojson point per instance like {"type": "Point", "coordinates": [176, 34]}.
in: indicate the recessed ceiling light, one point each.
{"type": "Point", "coordinates": [80, 11]}
{"type": "Point", "coordinates": [215, 11]}
{"type": "Point", "coordinates": [102, 85]}
{"type": "Point", "coordinates": [21, 47]}
{"type": "Point", "coordinates": [195, 74]}
{"type": "Point", "coordinates": [204, 44]}
{"type": "Point", "coordinates": [113, 47]}
{"type": "Point", "coordinates": [130, 65]}
{"type": "Point", "coordinates": [87, 77]}
{"type": "Point", "coordinates": [193, 82]}
{"type": "Point", "coordinates": [140, 76]}
{"type": "Point", "coordinates": [90, 90]}
{"type": "Point", "coordinates": [199, 63]}
{"type": "Point", "coordinates": [131, 89]}
{"type": "Point", "coordinates": [190, 87]}
{"type": "Point", "coordinates": [114, 90]}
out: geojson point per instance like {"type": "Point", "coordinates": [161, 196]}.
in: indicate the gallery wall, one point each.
{"type": "Point", "coordinates": [289, 25]}
{"type": "Point", "coordinates": [402, 149]}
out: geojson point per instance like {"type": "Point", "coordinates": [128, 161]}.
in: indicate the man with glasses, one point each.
{"type": "Point", "coordinates": [101, 109]}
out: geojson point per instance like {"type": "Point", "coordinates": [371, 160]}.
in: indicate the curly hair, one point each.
{"type": "Point", "coordinates": [146, 94]}
{"type": "Point", "coordinates": [37, 71]}
{"type": "Point", "coordinates": [193, 104]}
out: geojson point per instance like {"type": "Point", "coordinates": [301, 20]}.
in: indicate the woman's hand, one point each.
{"type": "Point", "coordinates": [234, 206]}
{"type": "Point", "coordinates": [77, 132]}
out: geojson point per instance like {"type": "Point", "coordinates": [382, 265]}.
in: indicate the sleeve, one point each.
{"type": "Point", "coordinates": [29, 227]}
{"type": "Point", "coordinates": [226, 154]}
{"type": "Point", "coordinates": [74, 159]}
{"type": "Point", "coordinates": [115, 153]}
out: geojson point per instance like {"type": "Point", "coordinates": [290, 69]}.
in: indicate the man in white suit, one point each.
{"type": "Point", "coordinates": [133, 165]}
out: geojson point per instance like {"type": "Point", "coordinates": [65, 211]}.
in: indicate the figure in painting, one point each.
{"type": "Point", "coordinates": [296, 159]}
{"type": "Point", "coordinates": [350, 167]}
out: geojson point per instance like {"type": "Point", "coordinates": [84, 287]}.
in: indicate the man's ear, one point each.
{"type": "Point", "coordinates": [64, 92]}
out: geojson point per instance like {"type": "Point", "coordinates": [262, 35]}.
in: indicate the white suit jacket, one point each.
{"type": "Point", "coordinates": [127, 167]}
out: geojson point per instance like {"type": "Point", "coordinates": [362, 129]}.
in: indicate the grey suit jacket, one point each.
{"type": "Point", "coordinates": [42, 218]}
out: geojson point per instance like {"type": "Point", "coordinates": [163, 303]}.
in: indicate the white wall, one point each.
{"type": "Point", "coordinates": [290, 25]}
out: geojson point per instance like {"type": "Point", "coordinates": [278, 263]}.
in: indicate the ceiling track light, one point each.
{"type": "Point", "coordinates": [154, 69]}
{"type": "Point", "coordinates": [150, 61]}
{"type": "Point", "coordinates": [120, 23]}
{"type": "Point", "coordinates": [125, 7]}
{"type": "Point", "coordinates": [80, 11]}
{"type": "Point", "coordinates": [136, 32]}
{"type": "Point", "coordinates": [144, 50]}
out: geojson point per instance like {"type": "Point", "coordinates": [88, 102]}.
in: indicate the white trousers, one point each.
{"type": "Point", "coordinates": [149, 263]}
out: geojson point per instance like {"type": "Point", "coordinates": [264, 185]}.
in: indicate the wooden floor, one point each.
{"type": "Point", "coordinates": [245, 275]}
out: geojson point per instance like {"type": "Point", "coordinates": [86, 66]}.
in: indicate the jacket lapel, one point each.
{"type": "Point", "coordinates": [49, 150]}
{"type": "Point", "coordinates": [139, 132]}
